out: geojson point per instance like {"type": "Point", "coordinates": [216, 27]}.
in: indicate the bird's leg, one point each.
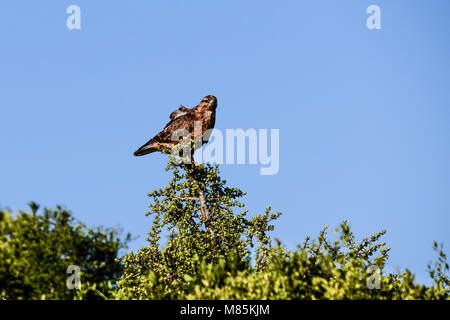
{"type": "Point", "coordinates": [192, 155]}
{"type": "Point", "coordinates": [193, 163]}
{"type": "Point", "coordinates": [196, 164]}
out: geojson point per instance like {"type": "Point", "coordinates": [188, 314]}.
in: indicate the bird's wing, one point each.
{"type": "Point", "coordinates": [175, 130]}
{"type": "Point", "coordinates": [179, 112]}
{"type": "Point", "coordinates": [181, 122]}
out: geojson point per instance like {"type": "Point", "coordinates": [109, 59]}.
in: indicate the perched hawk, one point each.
{"type": "Point", "coordinates": [202, 116]}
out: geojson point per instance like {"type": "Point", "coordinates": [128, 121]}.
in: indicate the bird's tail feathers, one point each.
{"type": "Point", "coordinates": [146, 149]}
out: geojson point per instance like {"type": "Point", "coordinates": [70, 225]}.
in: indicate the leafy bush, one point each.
{"type": "Point", "coordinates": [213, 251]}
{"type": "Point", "coordinates": [196, 209]}
{"type": "Point", "coordinates": [36, 250]}
{"type": "Point", "coordinates": [208, 254]}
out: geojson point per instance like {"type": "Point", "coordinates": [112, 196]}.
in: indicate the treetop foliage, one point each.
{"type": "Point", "coordinates": [212, 245]}
{"type": "Point", "coordinates": [201, 245]}
{"type": "Point", "coordinates": [37, 248]}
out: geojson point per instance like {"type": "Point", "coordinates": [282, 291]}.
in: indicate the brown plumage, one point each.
{"type": "Point", "coordinates": [183, 118]}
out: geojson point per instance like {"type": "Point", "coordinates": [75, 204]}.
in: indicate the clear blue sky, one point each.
{"type": "Point", "coordinates": [364, 116]}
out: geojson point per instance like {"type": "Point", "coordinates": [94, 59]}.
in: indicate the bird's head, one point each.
{"type": "Point", "coordinates": [209, 102]}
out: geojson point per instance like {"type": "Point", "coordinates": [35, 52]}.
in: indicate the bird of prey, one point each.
{"type": "Point", "coordinates": [184, 119]}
